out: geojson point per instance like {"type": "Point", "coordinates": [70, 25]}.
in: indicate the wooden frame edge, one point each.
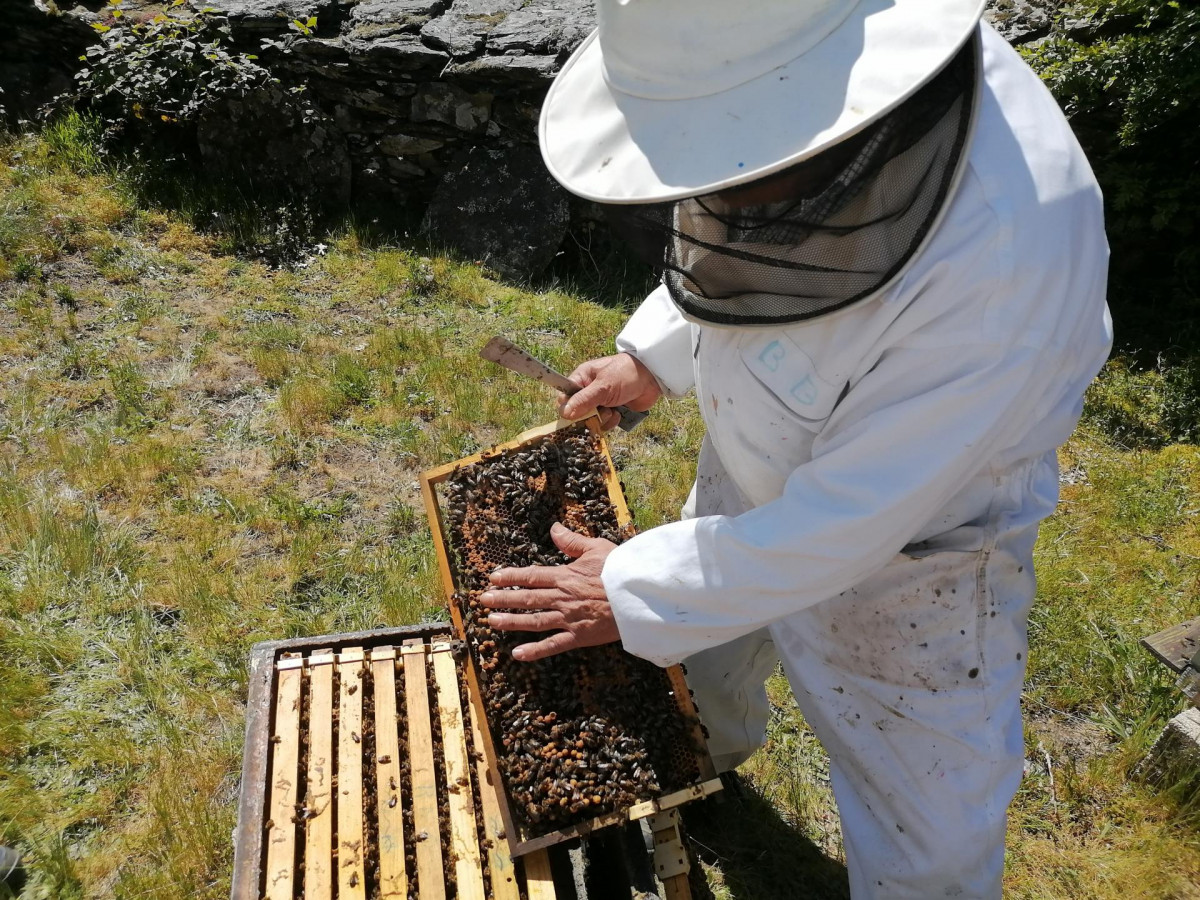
{"type": "Point", "coordinates": [252, 798]}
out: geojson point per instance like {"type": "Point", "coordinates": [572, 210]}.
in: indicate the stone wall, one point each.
{"type": "Point", "coordinates": [407, 103]}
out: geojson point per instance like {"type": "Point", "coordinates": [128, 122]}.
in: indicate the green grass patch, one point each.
{"type": "Point", "coordinates": [201, 452]}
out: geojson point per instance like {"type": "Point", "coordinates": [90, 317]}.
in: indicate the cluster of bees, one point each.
{"type": "Point", "coordinates": [586, 732]}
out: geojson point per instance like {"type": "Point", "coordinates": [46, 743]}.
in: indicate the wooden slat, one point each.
{"type": "Point", "coordinates": [318, 827]}
{"type": "Point", "coordinates": [1175, 646]}
{"type": "Point", "coordinates": [441, 540]}
{"type": "Point", "coordinates": [464, 838]}
{"type": "Point", "coordinates": [539, 882]}
{"type": "Point", "coordinates": [441, 473]}
{"type": "Point", "coordinates": [393, 881]}
{"type": "Point", "coordinates": [285, 777]}
{"type": "Point", "coordinates": [249, 852]}
{"type": "Point", "coordinates": [671, 863]}
{"type": "Point", "coordinates": [350, 849]}
{"type": "Point", "coordinates": [430, 875]}
{"type": "Point", "coordinates": [687, 708]}
{"type": "Point", "coordinates": [512, 834]}
{"type": "Point", "coordinates": [500, 865]}
{"type": "Point", "coordinates": [677, 888]}
{"type": "Point", "coordinates": [611, 480]}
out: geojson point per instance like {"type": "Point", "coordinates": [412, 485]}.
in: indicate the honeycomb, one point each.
{"type": "Point", "coordinates": [587, 732]}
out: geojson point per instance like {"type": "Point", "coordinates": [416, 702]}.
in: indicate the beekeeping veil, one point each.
{"type": "Point", "coordinates": [680, 110]}
{"type": "Point", "coordinates": [822, 234]}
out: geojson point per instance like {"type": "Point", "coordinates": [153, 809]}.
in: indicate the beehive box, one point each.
{"type": "Point", "coordinates": [584, 740]}
{"type": "Point", "coordinates": [363, 777]}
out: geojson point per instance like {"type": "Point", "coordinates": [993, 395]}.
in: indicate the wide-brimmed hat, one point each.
{"type": "Point", "coordinates": [670, 99]}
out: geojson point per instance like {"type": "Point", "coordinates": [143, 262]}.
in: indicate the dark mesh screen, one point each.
{"type": "Point", "coordinates": [820, 235]}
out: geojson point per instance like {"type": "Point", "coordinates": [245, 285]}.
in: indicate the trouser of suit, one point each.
{"type": "Point", "coordinates": [912, 681]}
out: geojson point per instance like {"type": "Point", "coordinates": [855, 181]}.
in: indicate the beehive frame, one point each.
{"type": "Point", "coordinates": [267, 851]}
{"type": "Point", "coordinates": [521, 842]}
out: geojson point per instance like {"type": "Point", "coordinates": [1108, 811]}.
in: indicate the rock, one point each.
{"type": "Point", "coordinates": [403, 168]}
{"type": "Point", "coordinates": [397, 89]}
{"type": "Point", "coordinates": [451, 105]}
{"type": "Point", "coordinates": [406, 145]}
{"type": "Point", "coordinates": [360, 105]}
{"type": "Point", "coordinates": [1022, 21]}
{"type": "Point", "coordinates": [276, 142]}
{"type": "Point", "coordinates": [385, 12]}
{"type": "Point", "coordinates": [395, 53]}
{"type": "Point", "coordinates": [463, 29]}
{"type": "Point", "coordinates": [40, 46]}
{"type": "Point", "coordinates": [254, 18]}
{"type": "Point", "coordinates": [379, 18]}
{"type": "Point", "coordinates": [550, 27]}
{"type": "Point", "coordinates": [486, 69]}
{"type": "Point", "coordinates": [1175, 756]}
{"type": "Point", "coordinates": [501, 207]}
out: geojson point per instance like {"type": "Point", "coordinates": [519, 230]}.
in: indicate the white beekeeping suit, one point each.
{"type": "Point", "coordinates": [884, 273]}
{"type": "Point", "coordinates": [867, 500]}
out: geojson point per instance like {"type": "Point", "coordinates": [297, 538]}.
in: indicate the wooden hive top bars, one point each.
{"type": "Point", "coordinates": [363, 779]}
{"type": "Point", "coordinates": [582, 740]}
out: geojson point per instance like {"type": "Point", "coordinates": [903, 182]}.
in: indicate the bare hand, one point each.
{"type": "Point", "coordinates": [569, 600]}
{"type": "Point", "coordinates": [610, 381]}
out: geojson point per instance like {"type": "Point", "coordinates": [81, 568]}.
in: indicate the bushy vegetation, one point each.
{"type": "Point", "coordinates": [1127, 72]}
{"type": "Point", "coordinates": [163, 67]}
{"type": "Point", "coordinates": [143, 87]}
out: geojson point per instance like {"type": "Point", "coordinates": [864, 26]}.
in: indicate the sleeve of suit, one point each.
{"type": "Point", "coordinates": [901, 443]}
{"type": "Point", "coordinates": [661, 338]}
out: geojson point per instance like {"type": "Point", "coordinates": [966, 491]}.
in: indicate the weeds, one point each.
{"type": "Point", "coordinates": [200, 452]}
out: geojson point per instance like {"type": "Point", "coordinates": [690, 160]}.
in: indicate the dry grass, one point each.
{"type": "Point", "coordinates": [198, 452]}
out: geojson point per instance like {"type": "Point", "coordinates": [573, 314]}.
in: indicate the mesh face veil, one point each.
{"type": "Point", "coordinates": [823, 234]}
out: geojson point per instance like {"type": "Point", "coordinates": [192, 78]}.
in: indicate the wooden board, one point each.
{"type": "Point", "coordinates": [1176, 646]}
{"type": "Point", "coordinates": [464, 839]}
{"type": "Point", "coordinates": [249, 838]}
{"type": "Point", "coordinates": [318, 799]}
{"type": "Point", "coordinates": [351, 877]}
{"type": "Point", "coordinates": [683, 700]}
{"type": "Point", "coordinates": [674, 799]}
{"type": "Point", "coordinates": [430, 875]}
{"type": "Point", "coordinates": [389, 799]}
{"type": "Point", "coordinates": [502, 872]}
{"type": "Point", "coordinates": [539, 880]}
{"type": "Point", "coordinates": [285, 768]}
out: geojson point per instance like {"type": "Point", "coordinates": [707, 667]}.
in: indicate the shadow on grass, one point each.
{"type": "Point", "coordinates": [595, 265]}
{"type": "Point", "coordinates": [760, 856]}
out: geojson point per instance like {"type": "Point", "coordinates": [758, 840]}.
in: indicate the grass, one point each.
{"type": "Point", "coordinates": [198, 452]}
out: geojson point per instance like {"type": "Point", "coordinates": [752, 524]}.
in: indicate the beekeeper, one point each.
{"type": "Point", "coordinates": [884, 271]}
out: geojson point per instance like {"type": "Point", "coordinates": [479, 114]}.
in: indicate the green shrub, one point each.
{"type": "Point", "coordinates": [164, 69]}
{"type": "Point", "coordinates": [1146, 407]}
{"type": "Point", "coordinates": [1127, 73]}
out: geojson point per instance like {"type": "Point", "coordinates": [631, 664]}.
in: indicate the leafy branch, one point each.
{"type": "Point", "coordinates": [164, 69]}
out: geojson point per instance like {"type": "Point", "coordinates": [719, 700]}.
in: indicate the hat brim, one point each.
{"type": "Point", "coordinates": [612, 147]}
